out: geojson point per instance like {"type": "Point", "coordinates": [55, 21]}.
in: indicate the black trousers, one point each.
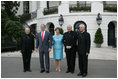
{"type": "Point", "coordinates": [83, 63]}
{"type": "Point", "coordinates": [71, 58]}
{"type": "Point", "coordinates": [26, 60]}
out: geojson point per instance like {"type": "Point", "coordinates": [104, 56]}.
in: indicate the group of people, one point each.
{"type": "Point", "coordinates": [74, 42]}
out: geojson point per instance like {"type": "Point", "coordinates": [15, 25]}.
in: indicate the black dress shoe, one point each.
{"type": "Point", "coordinates": [29, 70]}
{"type": "Point", "coordinates": [24, 70]}
{"type": "Point", "coordinates": [42, 71]}
{"type": "Point", "coordinates": [72, 72]}
{"type": "Point", "coordinates": [79, 74]}
{"type": "Point", "coordinates": [67, 71]}
{"type": "Point", "coordinates": [84, 74]}
{"type": "Point", "coordinates": [47, 72]}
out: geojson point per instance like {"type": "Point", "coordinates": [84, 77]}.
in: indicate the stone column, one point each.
{"type": "Point", "coordinates": [42, 5]}
{"type": "Point", "coordinates": [63, 8]}
{"type": "Point", "coordinates": [97, 6]}
{"type": "Point", "coordinates": [34, 6]}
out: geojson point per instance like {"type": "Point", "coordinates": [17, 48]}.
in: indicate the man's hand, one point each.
{"type": "Point", "coordinates": [49, 49]}
{"type": "Point", "coordinates": [20, 51]}
{"type": "Point", "coordinates": [36, 49]}
{"type": "Point", "coordinates": [49, 41]}
{"type": "Point", "coordinates": [87, 54]}
{"type": "Point", "coordinates": [67, 47]}
{"type": "Point", "coordinates": [32, 51]}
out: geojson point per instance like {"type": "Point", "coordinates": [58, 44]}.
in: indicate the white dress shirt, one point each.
{"type": "Point", "coordinates": [43, 33]}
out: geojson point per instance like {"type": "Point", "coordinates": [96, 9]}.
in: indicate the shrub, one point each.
{"type": "Point", "coordinates": [14, 30]}
{"type": "Point", "coordinates": [98, 37]}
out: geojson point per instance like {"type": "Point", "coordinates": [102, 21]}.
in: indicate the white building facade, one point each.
{"type": "Point", "coordinates": [75, 13]}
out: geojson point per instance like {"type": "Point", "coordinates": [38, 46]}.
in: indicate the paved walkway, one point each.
{"type": "Point", "coordinates": [11, 67]}
{"type": "Point", "coordinates": [102, 63]}
{"type": "Point", "coordinates": [106, 53]}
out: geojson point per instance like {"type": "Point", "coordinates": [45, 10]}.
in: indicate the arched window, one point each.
{"type": "Point", "coordinates": [76, 25]}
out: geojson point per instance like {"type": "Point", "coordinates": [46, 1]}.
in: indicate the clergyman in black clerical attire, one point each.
{"type": "Point", "coordinates": [83, 47]}
{"type": "Point", "coordinates": [26, 48]}
{"type": "Point", "coordinates": [69, 41]}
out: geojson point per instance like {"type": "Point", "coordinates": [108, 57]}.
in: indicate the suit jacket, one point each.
{"type": "Point", "coordinates": [45, 44]}
{"type": "Point", "coordinates": [84, 43]}
{"type": "Point", "coordinates": [27, 43]}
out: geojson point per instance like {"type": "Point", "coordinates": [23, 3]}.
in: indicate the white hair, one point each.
{"type": "Point", "coordinates": [82, 25]}
{"type": "Point", "coordinates": [69, 26]}
{"type": "Point", "coordinates": [27, 28]}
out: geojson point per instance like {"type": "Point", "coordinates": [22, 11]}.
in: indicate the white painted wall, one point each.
{"type": "Point", "coordinates": [71, 18]}
{"type": "Point", "coordinates": [33, 6]}
{"type": "Point", "coordinates": [88, 17]}
{"type": "Point", "coordinates": [20, 9]}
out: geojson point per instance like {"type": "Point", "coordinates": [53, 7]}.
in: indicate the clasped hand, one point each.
{"type": "Point", "coordinates": [68, 47]}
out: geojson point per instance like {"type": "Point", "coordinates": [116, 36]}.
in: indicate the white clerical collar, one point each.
{"type": "Point", "coordinates": [83, 31]}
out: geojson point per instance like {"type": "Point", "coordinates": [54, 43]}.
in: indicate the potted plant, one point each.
{"type": "Point", "coordinates": [98, 38]}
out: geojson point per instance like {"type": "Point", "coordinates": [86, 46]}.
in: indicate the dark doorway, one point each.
{"type": "Point", "coordinates": [51, 28]}
{"type": "Point", "coordinates": [76, 25]}
{"type": "Point", "coordinates": [33, 29]}
{"type": "Point", "coordinates": [111, 35]}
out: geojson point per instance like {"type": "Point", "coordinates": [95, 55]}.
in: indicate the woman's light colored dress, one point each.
{"type": "Point", "coordinates": [57, 46]}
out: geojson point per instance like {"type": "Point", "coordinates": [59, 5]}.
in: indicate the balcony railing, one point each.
{"type": "Point", "coordinates": [33, 14]}
{"type": "Point", "coordinates": [110, 7]}
{"type": "Point", "coordinates": [50, 10]}
{"type": "Point", "coordinates": [28, 16]}
{"type": "Point", "coordinates": [80, 7]}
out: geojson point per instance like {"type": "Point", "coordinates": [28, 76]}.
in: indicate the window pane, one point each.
{"type": "Point", "coordinates": [26, 6]}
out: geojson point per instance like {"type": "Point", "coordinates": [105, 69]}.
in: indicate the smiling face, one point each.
{"type": "Point", "coordinates": [42, 27]}
{"type": "Point", "coordinates": [27, 30]}
{"type": "Point", "coordinates": [57, 31]}
{"type": "Point", "coordinates": [82, 27]}
{"type": "Point", "coordinates": [69, 28]}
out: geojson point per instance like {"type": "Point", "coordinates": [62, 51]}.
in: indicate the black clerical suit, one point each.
{"type": "Point", "coordinates": [83, 47]}
{"type": "Point", "coordinates": [69, 39]}
{"type": "Point", "coordinates": [26, 47]}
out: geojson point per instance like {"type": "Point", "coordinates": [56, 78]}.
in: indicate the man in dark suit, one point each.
{"type": "Point", "coordinates": [44, 44]}
{"type": "Point", "coordinates": [83, 47]}
{"type": "Point", "coordinates": [69, 41]}
{"type": "Point", "coordinates": [26, 48]}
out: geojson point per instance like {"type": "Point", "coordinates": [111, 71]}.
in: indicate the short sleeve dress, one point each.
{"type": "Point", "coordinates": [57, 47]}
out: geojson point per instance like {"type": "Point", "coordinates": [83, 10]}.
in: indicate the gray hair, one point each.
{"type": "Point", "coordinates": [82, 25]}
{"type": "Point", "coordinates": [43, 25]}
{"type": "Point", "coordinates": [27, 28]}
{"type": "Point", "coordinates": [69, 26]}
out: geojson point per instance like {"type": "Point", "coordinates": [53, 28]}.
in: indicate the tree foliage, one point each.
{"type": "Point", "coordinates": [11, 27]}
